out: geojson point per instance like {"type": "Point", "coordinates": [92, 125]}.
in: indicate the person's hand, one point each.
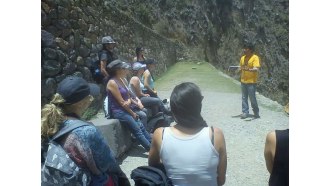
{"type": "Point", "coordinates": [135, 116]}
{"type": "Point", "coordinates": [140, 106]}
{"type": "Point", "coordinates": [245, 67]}
{"type": "Point", "coordinates": [155, 92]}
{"type": "Point", "coordinates": [127, 103]}
{"type": "Point", "coordinates": [146, 95]}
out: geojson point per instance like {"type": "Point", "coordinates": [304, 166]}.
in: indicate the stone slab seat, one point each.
{"type": "Point", "coordinates": [117, 136]}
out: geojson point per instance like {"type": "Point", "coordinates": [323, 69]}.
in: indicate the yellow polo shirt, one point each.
{"type": "Point", "coordinates": [250, 76]}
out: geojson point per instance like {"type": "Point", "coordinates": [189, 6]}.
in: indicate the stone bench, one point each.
{"type": "Point", "coordinates": [117, 136]}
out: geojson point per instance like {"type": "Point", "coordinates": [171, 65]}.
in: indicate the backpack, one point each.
{"type": "Point", "coordinates": [58, 168]}
{"type": "Point", "coordinates": [150, 176]}
{"type": "Point", "coordinates": [96, 71]}
{"type": "Point", "coordinates": [96, 65]}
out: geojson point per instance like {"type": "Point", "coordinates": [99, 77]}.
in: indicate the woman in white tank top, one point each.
{"type": "Point", "coordinates": [192, 153]}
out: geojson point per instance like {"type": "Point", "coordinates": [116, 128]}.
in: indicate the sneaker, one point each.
{"type": "Point", "coordinates": [245, 115]}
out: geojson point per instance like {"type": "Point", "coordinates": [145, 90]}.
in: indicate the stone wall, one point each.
{"type": "Point", "coordinates": [71, 34]}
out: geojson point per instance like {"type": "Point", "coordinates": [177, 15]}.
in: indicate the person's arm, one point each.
{"type": "Point", "coordinates": [269, 151]}
{"type": "Point", "coordinates": [154, 153]}
{"type": "Point", "coordinates": [220, 145]}
{"type": "Point", "coordinates": [113, 87]}
{"type": "Point", "coordinates": [135, 82]}
{"type": "Point", "coordinates": [139, 103]}
{"type": "Point", "coordinates": [256, 64]}
{"type": "Point", "coordinates": [103, 67]}
{"type": "Point", "coordinates": [147, 77]}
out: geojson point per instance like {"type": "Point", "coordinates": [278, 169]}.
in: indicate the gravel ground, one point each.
{"type": "Point", "coordinates": [222, 99]}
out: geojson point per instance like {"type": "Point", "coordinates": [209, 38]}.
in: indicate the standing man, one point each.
{"type": "Point", "coordinates": [106, 55]}
{"type": "Point", "coordinates": [249, 67]}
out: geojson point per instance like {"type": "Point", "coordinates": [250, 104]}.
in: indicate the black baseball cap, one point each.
{"type": "Point", "coordinates": [74, 89]}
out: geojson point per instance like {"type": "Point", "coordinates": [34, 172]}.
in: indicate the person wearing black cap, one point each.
{"type": "Point", "coordinates": [85, 144]}
{"type": "Point", "coordinates": [106, 55]}
{"type": "Point", "coordinates": [121, 103]}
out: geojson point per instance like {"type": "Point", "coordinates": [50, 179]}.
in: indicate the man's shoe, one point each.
{"type": "Point", "coordinates": [245, 115]}
{"type": "Point", "coordinates": [256, 116]}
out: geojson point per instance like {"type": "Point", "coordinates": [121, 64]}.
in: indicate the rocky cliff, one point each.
{"type": "Point", "coordinates": [215, 31]}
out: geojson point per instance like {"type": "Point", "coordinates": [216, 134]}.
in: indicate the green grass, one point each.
{"type": "Point", "coordinates": [201, 73]}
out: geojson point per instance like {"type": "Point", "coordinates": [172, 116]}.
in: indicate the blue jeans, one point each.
{"type": "Point", "coordinates": [142, 115]}
{"type": "Point", "coordinates": [136, 128]}
{"type": "Point", "coordinates": [249, 91]}
{"type": "Point", "coordinates": [154, 103]}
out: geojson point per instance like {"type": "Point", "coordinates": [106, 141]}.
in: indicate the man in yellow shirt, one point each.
{"type": "Point", "coordinates": [249, 67]}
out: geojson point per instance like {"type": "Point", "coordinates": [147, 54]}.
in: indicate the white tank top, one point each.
{"type": "Point", "coordinates": [191, 160]}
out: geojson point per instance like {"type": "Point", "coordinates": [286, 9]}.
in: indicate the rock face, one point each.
{"type": "Point", "coordinates": [213, 30]}
{"type": "Point", "coordinates": [71, 36]}
{"type": "Point", "coordinates": [216, 30]}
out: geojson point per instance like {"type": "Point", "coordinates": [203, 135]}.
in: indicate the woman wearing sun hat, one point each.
{"type": "Point", "coordinates": [121, 104]}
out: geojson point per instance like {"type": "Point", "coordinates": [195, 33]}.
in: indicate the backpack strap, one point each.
{"type": "Point", "coordinates": [68, 128]}
{"type": "Point", "coordinates": [163, 133]}
{"type": "Point", "coordinates": [212, 140]}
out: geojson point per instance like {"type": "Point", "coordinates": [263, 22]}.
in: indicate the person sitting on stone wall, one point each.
{"type": "Point", "coordinates": [121, 104]}
{"type": "Point", "coordinates": [85, 145]}
{"type": "Point", "coordinates": [136, 86]}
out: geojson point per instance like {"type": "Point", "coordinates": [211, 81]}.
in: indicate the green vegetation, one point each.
{"type": "Point", "coordinates": [201, 73]}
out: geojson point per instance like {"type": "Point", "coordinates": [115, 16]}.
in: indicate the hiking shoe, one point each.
{"type": "Point", "coordinates": [245, 115]}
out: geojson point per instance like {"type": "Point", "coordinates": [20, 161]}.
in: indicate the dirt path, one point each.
{"type": "Point", "coordinates": [222, 99]}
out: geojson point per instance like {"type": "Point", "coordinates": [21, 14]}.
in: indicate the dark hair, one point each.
{"type": "Point", "coordinates": [138, 49]}
{"type": "Point", "coordinates": [186, 104]}
{"type": "Point", "coordinates": [249, 46]}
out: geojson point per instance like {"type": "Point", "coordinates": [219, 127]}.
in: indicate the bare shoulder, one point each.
{"type": "Point", "coordinates": [218, 132]}
{"type": "Point", "coordinates": [112, 83]}
{"type": "Point", "coordinates": [271, 137]}
{"type": "Point", "coordinates": [158, 132]}
{"type": "Point", "coordinates": [134, 79]}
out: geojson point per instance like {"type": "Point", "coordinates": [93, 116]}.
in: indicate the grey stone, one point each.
{"type": "Point", "coordinates": [84, 51]}
{"type": "Point", "coordinates": [62, 24]}
{"type": "Point", "coordinates": [86, 73]}
{"type": "Point", "coordinates": [64, 45]}
{"type": "Point", "coordinates": [49, 88]}
{"type": "Point", "coordinates": [59, 78]}
{"type": "Point", "coordinates": [62, 12]}
{"type": "Point", "coordinates": [45, 21]}
{"type": "Point", "coordinates": [80, 61]}
{"type": "Point", "coordinates": [52, 14]}
{"type": "Point", "coordinates": [47, 39]}
{"type": "Point", "coordinates": [69, 68]}
{"type": "Point", "coordinates": [72, 55]}
{"type": "Point", "coordinates": [117, 136]}
{"type": "Point", "coordinates": [51, 67]}
{"type": "Point", "coordinates": [78, 74]}
{"type": "Point", "coordinates": [50, 53]}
